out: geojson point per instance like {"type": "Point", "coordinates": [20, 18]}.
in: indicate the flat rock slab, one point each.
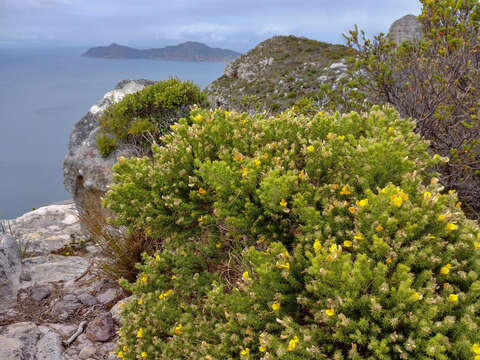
{"type": "Point", "coordinates": [53, 268]}
{"type": "Point", "coordinates": [48, 228]}
{"type": "Point", "coordinates": [26, 340]}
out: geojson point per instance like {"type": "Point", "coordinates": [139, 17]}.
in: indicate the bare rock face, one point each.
{"type": "Point", "coordinates": [85, 172]}
{"type": "Point", "coordinates": [406, 28]}
{"type": "Point", "coordinates": [10, 269]}
{"type": "Point", "coordinates": [101, 329]}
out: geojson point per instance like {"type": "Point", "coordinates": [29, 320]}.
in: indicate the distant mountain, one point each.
{"type": "Point", "coordinates": [188, 51]}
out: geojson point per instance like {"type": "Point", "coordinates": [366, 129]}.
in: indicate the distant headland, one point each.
{"type": "Point", "coordinates": [188, 51]}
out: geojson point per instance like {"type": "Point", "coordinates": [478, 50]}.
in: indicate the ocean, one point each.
{"type": "Point", "coordinates": [43, 93]}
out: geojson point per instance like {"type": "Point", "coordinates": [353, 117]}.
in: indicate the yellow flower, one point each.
{"type": "Point", "coordinates": [122, 305]}
{"type": "Point", "coordinates": [292, 343]}
{"type": "Point", "coordinates": [476, 349]}
{"type": "Point", "coordinates": [276, 306]}
{"type": "Point", "coordinates": [245, 275]}
{"type": "Point", "coordinates": [441, 217]}
{"type": "Point", "coordinates": [311, 148]}
{"type": "Point", "coordinates": [120, 354]}
{"type": "Point", "coordinates": [262, 348]}
{"type": "Point", "coordinates": [341, 138]}
{"type": "Point", "coordinates": [244, 172]}
{"type": "Point", "coordinates": [427, 195]}
{"type": "Point", "coordinates": [453, 298]}
{"type": "Point", "coordinates": [140, 301]}
{"type": "Point", "coordinates": [286, 266]}
{"type": "Point", "coordinates": [451, 192]}
{"type": "Point", "coordinates": [415, 296]}
{"type": "Point", "coordinates": [183, 253]}
{"type": "Point", "coordinates": [267, 251]}
{"type": "Point", "coordinates": [198, 118]}
{"type": "Point", "coordinates": [347, 243]}
{"type": "Point", "coordinates": [362, 203]}
{"type": "Point", "coordinates": [379, 228]}
{"type": "Point", "coordinates": [202, 191]}
{"type": "Point", "coordinates": [173, 127]}
{"type": "Point", "coordinates": [67, 253]}
{"type": "Point", "coordinates": [283, 203]}
{"type": "Point", "coordinates": [173, 277]}
{"type": "Point", "coordinates": [451, 227]}
{"type": "Point", "coordinates": [301, 176]}
{"type": "Point", "coordinates": [257, 162]}
{"type": "Point", "coordinates": [352, 209]}
{"type": "Point", "coordinates": [178, 329]}
{"type": "Point", "coordinates": [436, 157]}
{"type": "Point", "coordinates": [144, 278]}
{"type": "Point", "coordinates": [140, 333]}
{"type": "Point", "coordinates": [261, 239]}
{"type": "Point", "coordinates": [458, 205]}
{"type": "Point", "coordinates": [359, 236]}
{"type": "Point", "coordinates": [333, 248]}
{"type": "Point", "coordinates": [445, 269]}
{"type": "Point", "coordinates": [396, 200]}
{"type": "Point", "coordinates": [317, 245]}
{"type": "Point", "coordinates": [345, 190]}
{"type": "Point", "coordinates": [157, 257]}
{"type": "Point", "coordinates": [238, 157]}
{"type": "Point", "coordinates": [125, 347]}
{"type": "Point", "coordinates": [144, 354]}
{"type": "Point", "coordinates": [218, 245]}
{"type": "Point", "coordinates": [330, 312]}
{"type": "Point", "coordinates": [476, 245]}
{"type": "Point", "coordinates": [200, 219]}
{"type": "Point", "coordinates": [265, 156]}
{"type": "Point", "coordinates": [245, 352]}
{"type": "Point", "coordinates": [389, 260]}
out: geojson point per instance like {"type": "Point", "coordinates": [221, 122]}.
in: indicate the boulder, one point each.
{"type": "Point", "coordinates": [406, 28]}
{"type": "Point", "coordinates": [101, 329]}
{"type": "Point", "coordinates": [26, 340]}
{"type": "Point", "coordinates": [86, 174]}
{"type": "Point", "coordinates": [10, 270]}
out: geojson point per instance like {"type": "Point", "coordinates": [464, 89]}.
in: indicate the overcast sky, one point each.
{"type": "Point", "coordinates": [235, 24]}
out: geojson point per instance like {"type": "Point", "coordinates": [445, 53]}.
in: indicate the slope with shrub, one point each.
{"type": "Point", "coordinates": [297, 237]}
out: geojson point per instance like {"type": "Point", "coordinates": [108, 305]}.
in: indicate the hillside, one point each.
{"type": "Point", "coordinates": [278, 72]}
{"type": "Point", "coordinates": [188, 51]}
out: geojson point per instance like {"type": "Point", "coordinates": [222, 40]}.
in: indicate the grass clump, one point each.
{"type": "Point", "coordinates": [141, 118]}
{"type": "Point", "coordinates": [297, 237]}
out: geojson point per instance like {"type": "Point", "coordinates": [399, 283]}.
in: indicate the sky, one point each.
{"type": "Point", "coordinates": [234, 24]}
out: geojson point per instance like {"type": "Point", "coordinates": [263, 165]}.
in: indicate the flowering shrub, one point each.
{"type": "Point", "coordinates": [297, 237]}
{"type": "Point", "coordinates": [146, 115]}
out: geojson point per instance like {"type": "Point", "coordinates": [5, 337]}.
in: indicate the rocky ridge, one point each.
{"type": "Point", "coordinates": [50, 290]}
{"type": "Point", "coordinates": [278, 72]}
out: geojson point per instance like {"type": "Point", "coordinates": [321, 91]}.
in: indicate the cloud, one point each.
{"type": "Point", "coordinates": [235, 24]}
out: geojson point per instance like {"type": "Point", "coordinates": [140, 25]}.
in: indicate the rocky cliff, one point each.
{"type": "Point", "coordinates": [86, 174]}
{"type": "Point", "coordinates": [407, 28]}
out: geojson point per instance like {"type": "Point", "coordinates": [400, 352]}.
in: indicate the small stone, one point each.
{"type": "Point", "coordinates": [39, 293]}
{"type": "Point", "coordinates": [101, 328]}
{"type": "Point", "coordinates": [70, 297]}
{"type": "Point", "coordinates": [107, 296]}
{"type": "Point", "coordinates": [87, 351]}
{"type": "Point", "coordinates": [87, 299]}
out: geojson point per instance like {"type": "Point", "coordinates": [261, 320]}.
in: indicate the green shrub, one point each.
{"type": "Point", "coordinates": [295, 237]}
{"type": "Point", "coordinates": [144, 116]}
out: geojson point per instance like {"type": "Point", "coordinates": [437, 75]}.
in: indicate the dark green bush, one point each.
{"type": "Point", "coordinates": [144, 116]}
{"type": "Point", "coordinates": [297, 237]}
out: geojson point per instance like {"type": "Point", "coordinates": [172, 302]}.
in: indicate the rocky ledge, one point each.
{"type": "Point", "coordinates": [53, 303]}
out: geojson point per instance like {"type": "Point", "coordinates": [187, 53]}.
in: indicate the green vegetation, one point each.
{"type": "Point", "coordinates": [297, 237]}
{"type": "Point", "coordinates": [436, 82]}
{"type": "Point", "coordinates": [141, 118]}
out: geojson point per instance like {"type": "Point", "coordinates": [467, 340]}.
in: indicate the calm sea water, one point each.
{"type": "Point", "coordinates": [42, 94]}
